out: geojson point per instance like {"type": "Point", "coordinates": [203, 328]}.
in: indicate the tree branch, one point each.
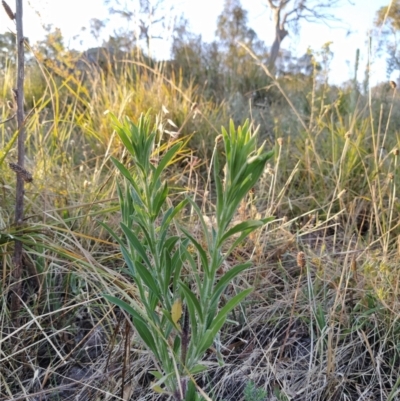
{"type": "Point", "coordinates": [280, 6]}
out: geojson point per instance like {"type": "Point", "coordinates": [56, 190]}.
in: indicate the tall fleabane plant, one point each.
{"type": "Point", "coordinates": [179, 316]}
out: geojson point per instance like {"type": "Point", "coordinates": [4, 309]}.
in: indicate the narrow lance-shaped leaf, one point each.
{"type": "Point", "coordinates": [223, 313]}
{"type": "Point", "coordinates": [194, 322]}
{"type": "Point", "coordinates": [220, 193]}
{"type": "Point", "coordinates": [135, 243]}
{"type": "Point", "coordinates": [165, 160]}
{"type": "Point", "coordinates": [203, 223]}
{"type": "Point", "coordinates": [125, 172]}
{"type": "Point", "coordinates": [138, 321]}
{"type": "Point", "coordinates": [243, 235]}
{"type": "Point", "coordinates": [148, 279]}
{"type": "Point", "coordinates": [243, 226]}
{"type": "Point", "coordinates": [226, 279]}
{"type": "Point", "coordinates": [159, 200]}
{"type": "Point", "coordinates": [176, 312]}
{"type": "Point", "coordinates": [202, 253]}
{"type": "Point", "coordinates": [219, 321]}
{"type": "Point", "coordinates": [191, 298]}
{"type": "Point", "coordinates": [172, 212]}
{"type": "Point", "coordinates": [121, 132]}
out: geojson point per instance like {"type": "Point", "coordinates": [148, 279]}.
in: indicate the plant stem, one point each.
{"type": "Point", "coordinates": [19, 201]}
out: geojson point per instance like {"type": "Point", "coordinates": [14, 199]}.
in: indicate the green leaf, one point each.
{"type": "Point", "coordinates": [198, 369]}
{"type": "Point", "coordinates": [126, 141]}
{"type": "Point", "coordinates": [165, 160]}
{"type": "Point", "coordinates": [156, 374]}
{"type": "Point", "coordinates": [177, 345]}
{"type": "Point", "coordinates": [242, 237]}
{"type": "Point", "coordinates": [171, 213]}
{"type": "Point", "coordinates": [124, 202]}
{"type": "Point", "coordinates": [222, 284]}
{"type": "Point", "coordinates": [138, 322]}
{"type": "Point", "coordinates": [135, 243]}
{"type": "Point", "coordinates": [148, 279]}
{"type": "Point", "coordinates": [191, 299]}
{"type": "Point", "coordinates": [320, 317]}
{"type": "Point", "coordinates": [223, 313]}
{"type": "Point", "coordinates": [227, 278]}
{"type": "Point", "coordinates": [122, 304]}
{"type": "Point", "coordinates": [159, 200]}
{"type": "Point", "coordinates": [219, 321]}
{"type": "Point", "coordinates": [129, 261]}
{"type": "Point", "coordinates": [204, 344]}
{"type": "Point", "coordinates": [165, 276]}
{"type": "Point", "coordinates": [202, 253]}
{"type": "Point", "coordinates": [146, 233]}
{"type": "Point", "coordinates": [120, 129]}
{"type": "Point", "coordinates": [145, 334]}
{"type": "Point", "coordinates": [169, 244]}
{"type": "Point", "coordinates": [203, 223]}
{"type": "Point", "coordinates": [110, 231]}
{"type": "Point", "coordinates": [180, 256]}
{"type": "Point", "coordinates": [243, 226]}
{"type": "Point", "coordinates": [219, 189]}
{"type": "Point", "coordinates": [123, 170]}
{"type": "Point", "coordinates": [124, 250]}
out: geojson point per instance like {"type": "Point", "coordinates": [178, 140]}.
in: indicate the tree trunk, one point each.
{"type": "Point", "coordinates": [280, 34]}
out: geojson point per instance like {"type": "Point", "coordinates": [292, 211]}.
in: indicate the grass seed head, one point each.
{"type": "Point", "coordinates": [8, 10]}
{"type": "Point", "coordinates": [26, 175]}
{"type": "Point", "coordinates": [301, 260]}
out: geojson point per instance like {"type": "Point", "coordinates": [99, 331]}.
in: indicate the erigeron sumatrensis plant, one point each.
{"type": "Point", "coordinates": [180, 316]}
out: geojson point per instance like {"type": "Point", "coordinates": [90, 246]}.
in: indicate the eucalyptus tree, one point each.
{"type": "Point", "coordinates": [287, 16]}
{"type": "Point", "coordinates": [146, 20]}
{"type": "Point", "coordinates": [238, 67]}
{"type": "Point", "coordinates": [387, 33]}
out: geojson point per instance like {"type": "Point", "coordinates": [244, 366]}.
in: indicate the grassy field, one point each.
{"type": "Point", "coordinates": [322, 319]}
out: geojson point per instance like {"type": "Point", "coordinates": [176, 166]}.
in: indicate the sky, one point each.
{"type": "Point", "coordinates": [356, 15]}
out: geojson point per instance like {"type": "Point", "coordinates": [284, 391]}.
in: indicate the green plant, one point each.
{"type": "Point", "coordinates": [254, 393]}
{"type": "Point", "coordinates": [179, 312]}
